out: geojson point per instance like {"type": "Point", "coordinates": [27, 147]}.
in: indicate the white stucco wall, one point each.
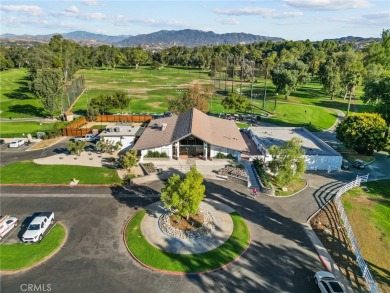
{"type": "Point", "coordinates": [214, 150]}
{"type": "Point", "coordinates": [125, 140]}
{"type": "Point", "coordinates": [323, 162]}
{"type": "Point", "coordinates": [163, 149]}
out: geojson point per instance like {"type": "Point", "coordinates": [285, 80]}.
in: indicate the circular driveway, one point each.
{"type": "Point", "coordinates": [280, 258]}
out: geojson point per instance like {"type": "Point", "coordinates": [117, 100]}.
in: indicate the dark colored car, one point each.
{"type": "Point", "coordinates": [358, 164]}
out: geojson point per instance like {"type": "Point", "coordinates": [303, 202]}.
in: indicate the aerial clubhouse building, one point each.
{"type": "Point", "coordinates": [191, 134]}
{"type": "Point", "coordinates": [318, 155]}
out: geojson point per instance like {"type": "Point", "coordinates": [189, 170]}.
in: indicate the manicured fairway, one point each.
{"type": "Point", "coordinates": [16, 101]}
{"type": "Point", "coordinates": [20, 255]}
{"type": "Point", "coordinates": [29, 172]}
{"type": "Point", "coordinates": [153, 257]}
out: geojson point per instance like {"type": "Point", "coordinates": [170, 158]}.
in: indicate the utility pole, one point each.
{"type": "Point", "coordinates": [128, 93]}
{"type": "Point", "coordinates": [226, 72]}
{"type": "Point", "coordinates": [233, 75]}
{"type": "Point", "coordinates": [265, 86]}
{"type": "Point", "coordinates": [242, 72]}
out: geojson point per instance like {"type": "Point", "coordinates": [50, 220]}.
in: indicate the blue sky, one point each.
{"type": "Point", "coordinates": [289, 19]}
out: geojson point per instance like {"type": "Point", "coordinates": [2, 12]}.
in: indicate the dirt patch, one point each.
{"type": "Point", "coordinates": [45, 143]}
{"type": "Point", "coordinates": [194, 222]}
{"type": "Point", "coordinates": [155, 104]}
{"type": "Point", "coordinates": [330, 231]}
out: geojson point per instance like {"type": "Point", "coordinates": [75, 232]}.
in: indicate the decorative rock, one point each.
{"type": "Point", "coordinates": [165, 227]}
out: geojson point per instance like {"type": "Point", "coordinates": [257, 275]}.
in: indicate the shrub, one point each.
{"type": "Point", "coordinates": [156, 154]}
{"type": "Point", "coordinates": [223, 156]}
{"type": "Point", "coordinates": [258, 164]}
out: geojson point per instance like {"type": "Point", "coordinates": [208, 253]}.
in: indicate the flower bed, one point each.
{"type": "Point", "coordinates": [229, 170]}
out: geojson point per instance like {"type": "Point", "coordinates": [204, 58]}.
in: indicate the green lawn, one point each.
{"type": "Point", "coordinates": [29, 172]}
{"type": "Point", "coordinates": [151, 256]}
{"type": "Point", "coordinates": [21, 255]}
{"type": "Point", "coordinates": [16, 101]}
{"type": "Point", "coordinates": [148, 89]}
{"type": "Point", "coordinates": [17, 129]}
{"type": "Point", "coordinates": [369, 216]}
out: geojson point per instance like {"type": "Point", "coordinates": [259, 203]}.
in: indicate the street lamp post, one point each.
{"type": "Point", "coordinates": [276, 96]}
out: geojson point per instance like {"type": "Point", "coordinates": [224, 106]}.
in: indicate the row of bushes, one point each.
{"type": "Point", "coordinates": [258, 164]}
{"type": "Point", "coordinates": [156, 154]}
{"type": "Point", "coordinates": [223, 156]}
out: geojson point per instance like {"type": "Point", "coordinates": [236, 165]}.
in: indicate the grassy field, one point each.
{"type": "Point", "coordinates": [151, 256]}
{"type": "Point", "coordinates": [29, 172]}
{"type": "Point", "coordinates": [292, 188]}
{"type": "Point", "coordinates": [17, 129]}
{"type": "Point", "coordinates": [369, 216]}
{"type": "Point", "coordinates": [149, 88]}
{"type": "Point", "coordinates": [16, 101]}
{"type": "Point", "coordinates": [21, 255]}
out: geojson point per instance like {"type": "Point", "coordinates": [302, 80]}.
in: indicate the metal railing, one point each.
{"type": "Point", "coordinates": [359, 258]}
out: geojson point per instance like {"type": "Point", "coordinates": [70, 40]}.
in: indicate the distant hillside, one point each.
{"type": "Point", "coordinates": [192, 38]}
{"type": "Point", "coordinates": [356, 40]}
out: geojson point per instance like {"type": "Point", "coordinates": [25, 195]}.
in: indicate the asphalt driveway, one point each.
{"type": "Point", "coordinates": [281, 258]}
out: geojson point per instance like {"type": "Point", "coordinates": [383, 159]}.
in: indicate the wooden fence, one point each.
{"type": "Point", "coordinates": [76, 128]}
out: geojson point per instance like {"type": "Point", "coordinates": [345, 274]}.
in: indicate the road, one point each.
{"type": "Point", "coordinates": [280, 258]}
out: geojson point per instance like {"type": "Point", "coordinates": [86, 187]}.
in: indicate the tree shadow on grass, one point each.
{"type": "Point", "coordinates": [27, 109]}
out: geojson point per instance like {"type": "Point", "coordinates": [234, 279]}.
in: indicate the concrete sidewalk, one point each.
{"type": "Point", "coordinates": [326, 259]}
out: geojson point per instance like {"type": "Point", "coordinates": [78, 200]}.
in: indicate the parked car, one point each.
{"type": "Point", "coordinates": [7, 223]}
{"type": "Point", "coordinates": [17, 143]}
{"type": "Point", "coordinates": [358, 164]}
{"type": "Point", "coordinates": [2, 141]}
{"type": "Point", "coordinates": [38, 226]}
{"type": "Point", "coordinates": [327, 282]}
{"type": "Point", "coordinates": [345, 165]}
{"type": "Point", "coordinates": [88, 137]}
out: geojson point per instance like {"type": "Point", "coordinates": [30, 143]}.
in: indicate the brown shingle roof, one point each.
{"type": "Point", "coordinates": [215, 131]}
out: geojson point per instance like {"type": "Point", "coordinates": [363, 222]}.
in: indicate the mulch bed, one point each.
{"type": "Point", "coordinates": [194, 222]}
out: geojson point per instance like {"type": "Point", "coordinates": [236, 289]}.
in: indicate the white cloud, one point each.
{"type": "Point", "coordinates": [328, 4]}
{"type": "Point", "coordinates": [90, 2]}
{"type": "Point", "coordinates": [263, 12]}
{"type": "Point", "coordinates": [72, 9]}
{"type": "Point", "coordinates": [287, 14]}
{"type": "Point", "coordinates": [121, 20]}
{"type": "Point", "coordinates": [13, 21]}
{"type": "Point", "coordinates": [245, 11]}
{"type": "Point", "coordinates": [229, 21]}
{"type": "Point", "coordinates": [92, 16]}
{"type": "Point", "coordinates": [24, 9]}
{"type": "Point", "coordinates": [380, 18]}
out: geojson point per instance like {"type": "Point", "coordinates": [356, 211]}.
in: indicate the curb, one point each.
{"type": "Point", "coordinates": [180, 273]}
{"type": "Point", "coordinates": [44, 259]}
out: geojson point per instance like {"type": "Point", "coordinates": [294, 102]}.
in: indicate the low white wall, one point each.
{"type": "Point", "coordinates": [214, 150]}
{"type": "Point", "coordinates": [126, 141]}
{"type": "Point", "coordinates": [163, 149]}
{"type": "Point", "coordinates": [323, 162]}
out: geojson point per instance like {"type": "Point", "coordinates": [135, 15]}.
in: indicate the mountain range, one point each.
{"type": "Point", "coordinates": [159, 40]}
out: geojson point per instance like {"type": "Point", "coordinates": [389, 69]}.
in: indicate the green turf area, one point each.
{"type": "Point", "coordinates": [151, 256]}
{"type": "Point", "coordinates": [242, 125]}
{"type": "Point", "coordinates": [292, 188]}
{"type": "Point", "coordinates": [16, 101]}
{"type": "Point", "coordinates": [29, 172]}
{"type": "Point", "coordinates": [21, 255]}
{"type": "Point", "coordinates": [369, 216]}
{"type": "Point", "coordinates": [17, 129]}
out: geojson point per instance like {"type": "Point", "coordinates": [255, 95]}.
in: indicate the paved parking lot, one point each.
{"type": "Point", "coordinates": [5, 148]}
{"type": "Point", "coordinates": [281, 258]}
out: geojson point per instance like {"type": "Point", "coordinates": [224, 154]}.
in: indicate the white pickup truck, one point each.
{"type": "Point", "coordinates": [87, 137]}
{"type": "Point", "coordinates": [6, 225]}
{"type": "Point", "coordinates": [38, 226]}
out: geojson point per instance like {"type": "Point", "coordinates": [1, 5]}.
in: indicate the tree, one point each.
{"type": "Point", "coordinates": [288, 163]}
{"type": "Point", "coordinates": [48, 85]}
{"type": "Point", "coordinates": [289, 75]}
{"type": "Point", "coordinates": [121, 100]}
{"type": "Point", "coordinates": [377, 92]}
{"type": "Point", "coordinates": [329, 74]}
{"type": "Point", "coordinates": [76, 147]}
{"type": "Point", "coordinates": [184, 196]}
{"type": "Point", "coordinates": [128, 159]}
{"type": "Point", "coordinates": [108, 145]}
{"type": "Point", "coordinates": [363, 132]}
{"type": "Point", "coordinates": [236, 102]}
{"type": "Point", "coordinates": [197, 96]}
{"type": "Point", "coordinates": [136, 56]}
